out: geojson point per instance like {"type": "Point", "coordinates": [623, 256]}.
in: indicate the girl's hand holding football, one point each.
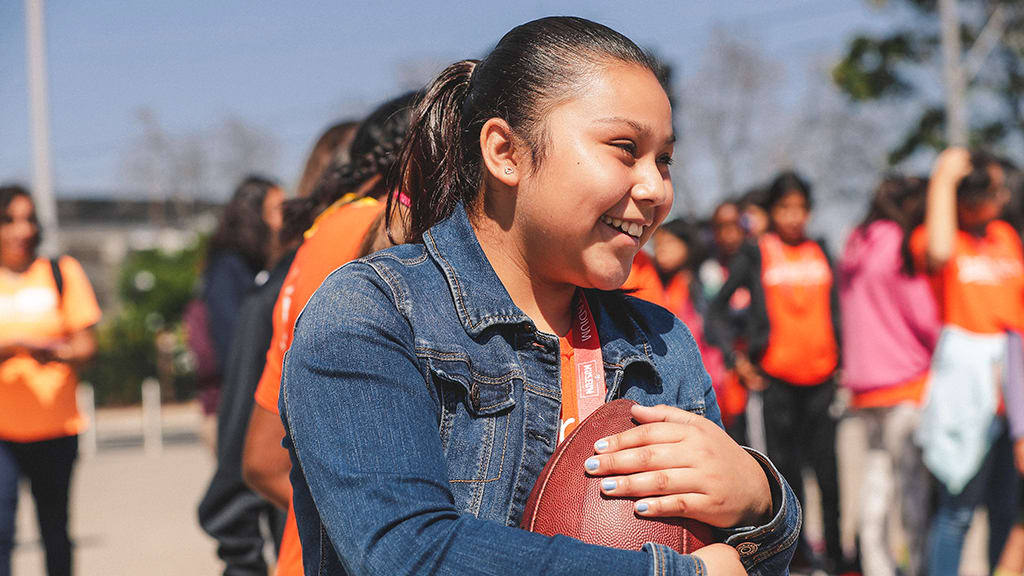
{"type": "Point", "coordinates": [681, 464]}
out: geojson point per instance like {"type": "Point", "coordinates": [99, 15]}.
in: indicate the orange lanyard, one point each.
{"type": "Point", "coordinates": [590, 385]}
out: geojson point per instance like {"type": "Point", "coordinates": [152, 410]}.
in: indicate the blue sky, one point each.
{"type": "Point", "coordinates": [291, 68]}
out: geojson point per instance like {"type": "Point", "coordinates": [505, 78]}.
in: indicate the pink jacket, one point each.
{"type": "Point", "coordinates": [890, 322]}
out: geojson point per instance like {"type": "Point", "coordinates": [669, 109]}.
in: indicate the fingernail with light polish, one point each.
{"type": "Point", "coordinates": [609, 484]}
{"type": "Point", "coordinates": [591, 464]}
{"type": "Point", "coordinates": [642, 507]}
{"type": "Point", "coordinates": [601, 445]}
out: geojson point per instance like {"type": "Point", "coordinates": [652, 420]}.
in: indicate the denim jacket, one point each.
{"type": "Point", "coordinates": [420, 405]}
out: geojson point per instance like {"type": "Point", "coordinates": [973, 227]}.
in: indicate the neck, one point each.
{"type": "Point", "coordinates": [17, 266]}
{"type": "Point", "coordinates": [548, 304]}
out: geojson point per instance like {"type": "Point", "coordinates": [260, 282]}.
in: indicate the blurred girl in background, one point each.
{"type": "Point", "coordinates": [792, 337]}
{"type": "Point", "coordinates": [890, 326]}
{"type": "Point", "coordinates": [47, 314]}
{"type": "Point", "coordinates": [976, 268]}
{"type": "Point", "coordinates": [244, 243]}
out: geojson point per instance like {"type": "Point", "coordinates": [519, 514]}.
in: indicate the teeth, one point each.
{"type": "Point", "coordinates": [632, 228]}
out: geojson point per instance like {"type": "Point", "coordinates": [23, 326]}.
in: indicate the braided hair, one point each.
{"type": "Point", "coordinates": [374, 153]}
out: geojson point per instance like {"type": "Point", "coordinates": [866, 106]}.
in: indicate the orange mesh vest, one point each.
{"type": "Point", "coordinates": [797, 283]}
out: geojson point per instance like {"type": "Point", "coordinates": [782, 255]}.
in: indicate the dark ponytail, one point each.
{"type": "Point", "coordinates": [533, 68]}
{"type": "Point", "coordinates": [432, 172]}
{"type": "Point", "coordinates": [899, 199]}
{"type": "Point", "coordinates": [373, 156]}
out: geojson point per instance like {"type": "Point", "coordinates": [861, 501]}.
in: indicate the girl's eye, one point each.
{"type": "Point", "coordinates": [628, 147]}
{"type": "Point", "coordinates": [665, 160]}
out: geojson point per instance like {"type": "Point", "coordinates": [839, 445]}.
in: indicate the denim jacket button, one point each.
{"type": "Point", "coordinates": [474, 396]}
{"type": "Point", "coordinates": [747, 548]}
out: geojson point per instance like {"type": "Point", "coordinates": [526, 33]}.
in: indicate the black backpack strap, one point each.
{"type": "Point", "coordinates": [58, 277]}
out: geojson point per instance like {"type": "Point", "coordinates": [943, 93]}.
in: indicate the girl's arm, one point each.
{"type": "Point", "coordinates": [265, 464]}
{"type": "Point", "coordinates": [717, 328]}
{"type": "Point", "coordinates": [744, 272]}
{"type": "Point", "coordinates": [369, 468]}
{"type": "Point", "coordinates": [940, 205]}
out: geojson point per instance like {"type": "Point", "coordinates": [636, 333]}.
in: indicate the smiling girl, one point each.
{"type": "Point", "coordinates": [427, 384]}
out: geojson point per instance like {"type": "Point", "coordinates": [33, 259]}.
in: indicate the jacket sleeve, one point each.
{"type": "Point", "coordinates": [745, 272]}
{"type": "Point", "coordinates": [369, 468]}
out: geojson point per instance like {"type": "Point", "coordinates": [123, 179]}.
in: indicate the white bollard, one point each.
{"type": "Point", "coordinates": [87, 406]}
{"type": "Point", "coordinates": [152, 427]}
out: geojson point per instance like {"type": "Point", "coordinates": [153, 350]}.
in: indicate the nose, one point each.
{"type": "Point", "coordinates": [652, 187]}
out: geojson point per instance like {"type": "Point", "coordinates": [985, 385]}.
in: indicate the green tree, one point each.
{"type": "Point", "coordinates": [154, 288]}
{"type": "Point", "coordinates": [905, 64]}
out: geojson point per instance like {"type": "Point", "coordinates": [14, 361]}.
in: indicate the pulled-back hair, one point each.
{"type": "Point", "coordinates": [374, 152]}
{"type": "Point", "coordinates": [786, 182]}
{"type": "Point", "coordinates": [533, 68]}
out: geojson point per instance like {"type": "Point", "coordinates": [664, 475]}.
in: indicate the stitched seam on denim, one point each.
{"type": "Point", "coordinates": [786, 543]}
{"type": "Point", "coordinates": [540, 391]}
{"type": "Point", "coordinates": [485, 462]}
{"type": "Point", "coordinates": [459, 294]}
{"type": "Point", "coordinates": [406, 261]}
{"type": "Point", "coordinates": [640, 333]}
{"type": "Point", "coordinates": [514, 374]}
{"type": "Point", "coordinates": [761, 531]}
{"type": "Point", "coordinates": [451, 278]}
{"type": "Point", "coordinates": [501, 466]}
{"type": "Point", "coordinates": [768, 551]}
{"type": "Point", "coordinates": [398, 292]}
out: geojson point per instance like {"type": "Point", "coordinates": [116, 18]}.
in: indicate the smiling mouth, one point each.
{"type": "Point", "coordinates": [628, 228]}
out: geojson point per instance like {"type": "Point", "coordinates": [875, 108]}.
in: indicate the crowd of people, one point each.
{"type": "Point", "coordinates": [395, 352]}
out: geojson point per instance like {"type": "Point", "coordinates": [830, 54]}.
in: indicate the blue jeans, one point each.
{"type": "Point", "coordinates": [47, 466]}
{"type": "Point", "coordinates": [995, 486]}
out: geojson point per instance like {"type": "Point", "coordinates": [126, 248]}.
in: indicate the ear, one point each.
{"type": "Point", "coordinates": [498, 149]}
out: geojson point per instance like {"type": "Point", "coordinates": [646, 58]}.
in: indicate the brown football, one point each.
{"type": "Point", "coordinates": [565, 500]}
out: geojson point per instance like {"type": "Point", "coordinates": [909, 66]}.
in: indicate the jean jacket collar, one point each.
{"type": "Point", "coordinates": [482, 301]}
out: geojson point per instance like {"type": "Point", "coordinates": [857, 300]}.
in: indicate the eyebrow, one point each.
{"type": "Point", "coordinates": [640, 127]}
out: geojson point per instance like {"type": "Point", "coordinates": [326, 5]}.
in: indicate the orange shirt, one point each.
{"type": "Point", "coordinates": [912, 392]}
{"type": "Point", "coordinates": [643, 281]}
{"type": "Point", "coordinates": [333, 240]}
{"type": "Point", "coordinates": [797, 282]}
{"type": "Point", "coordinates": [981, 287]}
{"type": "Point", "coordinates": [38, 401]}
{"type": "Point", "coordinates": [289, 555]}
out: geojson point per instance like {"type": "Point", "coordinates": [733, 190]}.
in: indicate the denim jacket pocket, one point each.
{"type": "Point", "coordinates": [474, 422]}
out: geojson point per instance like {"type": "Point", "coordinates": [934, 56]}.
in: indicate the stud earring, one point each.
{"type": "Point", "coordinates": [509, 170]}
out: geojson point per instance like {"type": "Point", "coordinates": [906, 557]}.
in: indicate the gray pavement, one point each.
{"type": "Point", "coordinates": [133, 513]}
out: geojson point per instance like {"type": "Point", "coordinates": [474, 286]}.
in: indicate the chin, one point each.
{"type": "Point", "coordinates": [610, 279]}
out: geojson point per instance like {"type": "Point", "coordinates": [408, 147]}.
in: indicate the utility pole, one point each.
{"type": "Point", "coordinates": [42, 174]}
{"type": "Point", "coordinates": [953, 74]}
